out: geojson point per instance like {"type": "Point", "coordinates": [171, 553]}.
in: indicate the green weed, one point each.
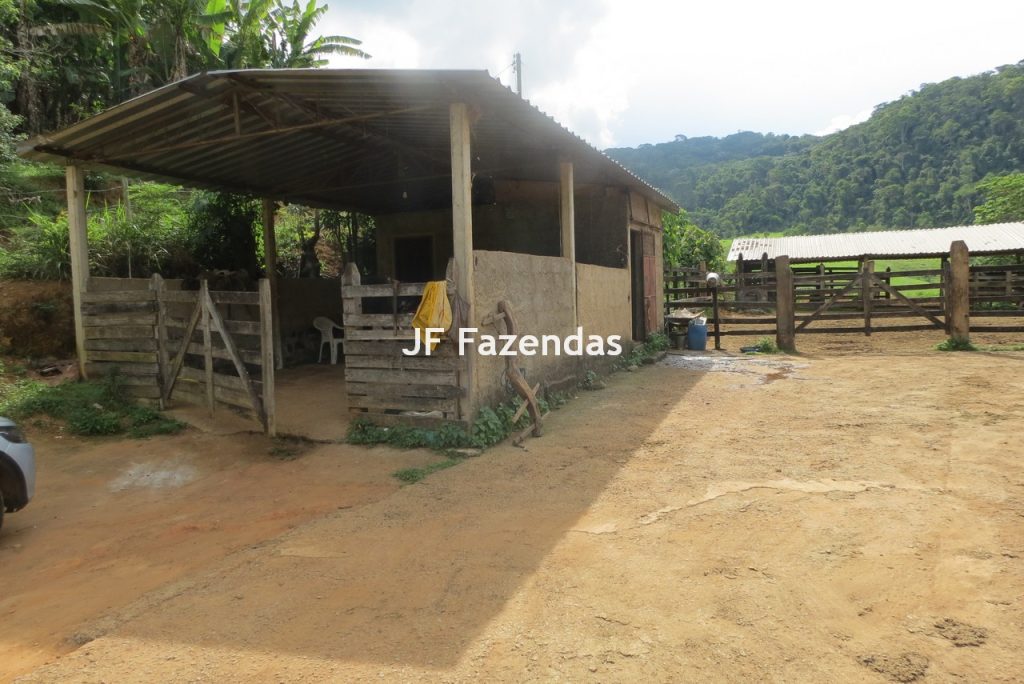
{"type": "Point", "coordinates": [955, 345]}
{"type": "Point", "coordinates": [414, 475]}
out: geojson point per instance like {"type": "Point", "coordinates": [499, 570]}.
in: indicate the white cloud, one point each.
{"type": "Point", "coordinates": [633, 71]}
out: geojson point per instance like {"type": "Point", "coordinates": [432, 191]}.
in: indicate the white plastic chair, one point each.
{"type": "Point", "coordinates": [327, 327]}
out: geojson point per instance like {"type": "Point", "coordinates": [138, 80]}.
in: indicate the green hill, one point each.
{"type": "Point", "coordinates": [915, 162]}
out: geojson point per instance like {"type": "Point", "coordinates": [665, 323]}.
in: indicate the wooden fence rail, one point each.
{"type": "Point", "coordinates": [749, 304]}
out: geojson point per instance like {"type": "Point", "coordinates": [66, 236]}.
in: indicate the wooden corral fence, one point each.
{"type": "Point", "coordinates": [207, 347]}
{"type": "Point", "coordinates": [384, 385]}
{"type": "Point", "coordinates": [743, 299]}
{"type": "Point", "coordinates": [821, 300]}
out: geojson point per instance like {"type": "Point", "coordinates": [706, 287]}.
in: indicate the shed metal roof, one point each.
{"type": "Point", "coordinates": [366, 139]}
{"type": "Point", "coordinates": [925, 242]}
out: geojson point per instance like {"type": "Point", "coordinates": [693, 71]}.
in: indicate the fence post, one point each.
{"type": "Point", "coordinates": [204, 300]}
{"type": "Point", "coordinates": [762, 293]}
{"type": "Point", "coordinates": [267, 357]}
{"type": "Point", "coordinates": [867, 286]}
{"type": "Point", "coordinates": [785, 307]}
{"type": "Point", "coordinates": [160, 333]}
{"type": "Point", "coordinates": [718, 324]}
{"type": "Point", "coordinates": [958, 297]}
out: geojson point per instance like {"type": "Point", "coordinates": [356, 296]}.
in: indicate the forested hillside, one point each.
{"type": "Point", "coordinates": [915, 162]}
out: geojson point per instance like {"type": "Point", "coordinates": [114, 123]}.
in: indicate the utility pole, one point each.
{"type": "Point", "coordinates": [517, 62]}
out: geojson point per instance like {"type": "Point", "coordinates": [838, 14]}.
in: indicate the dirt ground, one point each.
{"type": "Point", "coordinates": [824, 517]}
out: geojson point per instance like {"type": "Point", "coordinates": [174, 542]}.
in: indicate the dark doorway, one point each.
{"type": "Point", "coordinates": [636, 277]}
{"type": "Point", "coordinates": [414, 259]}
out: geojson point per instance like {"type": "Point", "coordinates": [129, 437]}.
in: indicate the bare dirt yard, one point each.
{"type": "Point", "coordinates": [824, 517]}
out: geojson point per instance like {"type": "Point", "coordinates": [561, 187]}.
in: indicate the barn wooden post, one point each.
{"type": "Point", "coordinates": [462, 232]}
{"type": "Point", "coordinates": [567, 209]}
{"type": "Point", "coordinates": [270, 259]}
{"type": "Point", "coordinates": [867, 283]}
{"type": "Point", "coordinates": [785, 314]}
{"type": "Point", "coordinates": [79, 243]}
{"type": "Point", "coordinates": [958, 297]}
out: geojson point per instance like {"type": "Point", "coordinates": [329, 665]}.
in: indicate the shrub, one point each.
{"type": "Point", "coordinates": [154, 238]}
{"type": "Point", "coordinates": [766, 345]}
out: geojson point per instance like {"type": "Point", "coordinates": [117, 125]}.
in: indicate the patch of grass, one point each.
{"type": "Point", "coordinates": [88, 408]}
{"type": "Point", "coordinates": [898, 265]}
{"type": "Point", "coordinates": [951, 345]}
{"type": "Point", "coordinates": [414, 475]}
{"type": "Point", "coordinates": [1000, 347]}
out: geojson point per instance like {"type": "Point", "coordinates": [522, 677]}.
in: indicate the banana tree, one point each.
{"type": "Point", "coordinates": [290, 44]}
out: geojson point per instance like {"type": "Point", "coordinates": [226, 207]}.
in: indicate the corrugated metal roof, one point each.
{"type": "Point", "coordinates": [366, 139]}
{"type": "Point", "coordinates": [924, 242]}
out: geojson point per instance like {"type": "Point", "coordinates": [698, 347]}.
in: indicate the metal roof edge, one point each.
{"type": "Point", "coordinates": [35, 148]}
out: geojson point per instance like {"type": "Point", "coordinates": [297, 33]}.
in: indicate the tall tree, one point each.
{"type": "Point", "coordinates": [1004, 199]}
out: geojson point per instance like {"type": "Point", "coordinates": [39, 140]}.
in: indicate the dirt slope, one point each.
{"type": "Point", "coordinates": [808, 519]}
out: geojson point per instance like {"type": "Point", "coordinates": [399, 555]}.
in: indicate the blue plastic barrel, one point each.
{"type": "Point", "coordinates": [697, 336]}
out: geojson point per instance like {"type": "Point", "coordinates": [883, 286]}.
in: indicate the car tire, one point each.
{"type": "Point", "coordinates": [2, 510]}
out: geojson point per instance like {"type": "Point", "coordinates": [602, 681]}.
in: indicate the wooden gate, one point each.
{"type": "Point", "coordinates": [221, 352]}
{"type": "Point", "coordinates": [207, 347]}
{"type": "Point", "coordinates": [872, 296]}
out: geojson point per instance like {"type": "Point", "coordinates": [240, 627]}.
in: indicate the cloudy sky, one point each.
{"type": "Point", "coordinates": [627, 72]}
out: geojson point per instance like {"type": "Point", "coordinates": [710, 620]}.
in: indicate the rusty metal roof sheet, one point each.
{"type": "Point", "coordinates": [925, 242]}
{"type": "Point", "coordinates": [366, 139]}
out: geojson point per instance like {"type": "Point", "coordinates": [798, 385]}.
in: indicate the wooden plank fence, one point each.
{"type": "Point", "coordinates": [207, 347]}
{"type": "Point", "coordinates": [384, 385]}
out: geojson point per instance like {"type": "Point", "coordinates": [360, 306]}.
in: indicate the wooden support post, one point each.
{"type": "Point", "coordinates": [867, 292]}
{"type": "Point", "coordinates": [204, 298]}
{"type": "Point", "coordinates": [270, 257]}
{"type": "Point", "coordinates": [714, 311]}
{"type": "Point", "coordinates": [567, 208]}
{"type": "Point", "coordinates": [821, 282]}
{"type": "Point", "coordinates": [267, 357]}
{"type": "Point", "coordinates": [160, 333]}
{"type": "Point", "coordinates": [79, 243]}
{"type": "Point", "coordinates": [958, 298]}
{"type": "Point", "coordinates": [785, 310]}
{"type": "Point", "coordinates": [462, 233]}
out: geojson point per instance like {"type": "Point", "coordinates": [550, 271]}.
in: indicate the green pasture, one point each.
{"type": "Point", "coordinates": [880, 266]}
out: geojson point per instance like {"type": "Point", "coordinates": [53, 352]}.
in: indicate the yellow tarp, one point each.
{"type": "Point", "coordinates": [434, 310]}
